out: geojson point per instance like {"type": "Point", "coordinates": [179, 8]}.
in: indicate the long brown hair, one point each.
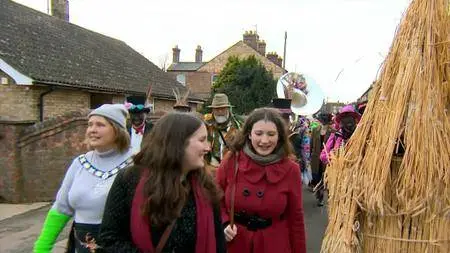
{"type": "Point", "coordinates": [268, 114]}
{"type": "Point", "coordinates": [162, 155]}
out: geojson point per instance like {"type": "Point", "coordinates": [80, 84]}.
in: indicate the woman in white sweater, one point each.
{"type": "Point", "coordinates": [86, 185]}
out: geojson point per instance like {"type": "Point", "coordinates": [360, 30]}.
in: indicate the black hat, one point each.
{"type": "Point", "coordinates": [324, 117]}
{"type": "Point", "coordinates": [138, 104]}
{"type": "Point", "coordinates": [282, 104]}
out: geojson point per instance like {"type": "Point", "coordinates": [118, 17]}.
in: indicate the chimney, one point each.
{"type": "Point", "coordinates": [273, 57]}
{"type": "Point", "coordinates": [251, 38]}
{"type": "Point", "coordinates": [60, 9]}
{"type": "Point", "coordinates": [175, 54]}
{"type": "Point", "coordinates": [280, 61]}
{"type": "Point", "coordinates": [262, 47]}
{"type": "Point", "coordinates": [198, 54]}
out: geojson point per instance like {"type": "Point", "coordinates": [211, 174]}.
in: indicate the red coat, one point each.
{"type": "Point", "coordinates": [281, 186]}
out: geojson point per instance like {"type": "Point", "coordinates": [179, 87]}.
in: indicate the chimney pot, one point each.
{"type": "Point", "coordinates": [60, 9]}
{"type": "Point", "coordinates": [198, 54]}
{"type": "Point", "coordinates": [176, 54]}
{"type": "Point", "coordinates": [262, 47]}
{"type": "Point", "coordinates": [251, 38]}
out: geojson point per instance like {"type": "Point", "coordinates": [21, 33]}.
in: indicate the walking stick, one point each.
{"type": "Point", "coordinates": [233, 190]}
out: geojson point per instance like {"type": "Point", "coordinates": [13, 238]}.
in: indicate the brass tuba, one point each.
{"type": "Point", "coordinates": [306, 96]}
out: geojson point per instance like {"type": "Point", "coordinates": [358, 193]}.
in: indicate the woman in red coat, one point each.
{"type": "Point", "coordinates": [268, 203]}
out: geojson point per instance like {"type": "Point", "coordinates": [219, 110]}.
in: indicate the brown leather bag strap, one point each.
{"type": "Point", "coordinates": [233, 189]}
{"type": "Point", "coordinates": [164, 237]}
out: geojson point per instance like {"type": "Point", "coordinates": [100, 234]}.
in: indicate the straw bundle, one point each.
{"type": "Point", "coordinates": [382, 203]}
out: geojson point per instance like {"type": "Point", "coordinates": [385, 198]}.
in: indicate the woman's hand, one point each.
{"type": "Point", "coordinates": [230, 232]}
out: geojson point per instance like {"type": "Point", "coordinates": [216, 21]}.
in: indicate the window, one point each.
{"type": "Point", "coordinates": [98, 99]}
{"type": "Point", "coordinates": [214, 78]}
{"type": "Point", "coordinates": [181, 78]}
{"type": "Point", "coordinates": [4, 80]}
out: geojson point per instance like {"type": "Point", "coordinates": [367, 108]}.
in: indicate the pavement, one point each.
{"type": "Point", "coordinates": [10, 210]}
{"type": "Point", "coordinates": [20, 225]}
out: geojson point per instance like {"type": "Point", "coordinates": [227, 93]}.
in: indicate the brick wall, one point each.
{"type": "Point", "coordinates": [199, 82]}
{"type": "Point", "coordinates": [162, 105]}
{"type": "Point", "coordinates": [61, 101]}
{"type": "Point", "coordinates": [9, 79]}
{"type": "Point", "coordinates": [11, 184]}
{"type": "Point", "coordinates": [36, 156]}
{"type": "Point", "coordinates": [241, 50]}
{"type": "Point", "coordinates": [46, 151]}
{"type": "Point", "coordinates": [19, 103]}
{"type": "Point", "coordinates": [118, 99]}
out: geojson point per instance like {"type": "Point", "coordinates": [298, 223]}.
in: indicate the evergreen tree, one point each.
{"type": "Point", "coordinates": [247, 83]}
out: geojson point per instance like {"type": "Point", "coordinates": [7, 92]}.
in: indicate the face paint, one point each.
{"type": "Point", "coordinates": [348, 126]}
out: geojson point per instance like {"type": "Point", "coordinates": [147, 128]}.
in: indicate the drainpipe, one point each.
{"type": "Point", "coordinates": [41, 102]}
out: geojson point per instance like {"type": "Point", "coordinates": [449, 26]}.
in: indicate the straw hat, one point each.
{"type": "Point", "coordinates": [220, 100]}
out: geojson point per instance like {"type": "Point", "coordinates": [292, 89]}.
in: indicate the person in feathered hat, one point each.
{"type": "Point", "coordinates": [138, 126]}
{"type": "Point", "coordinates": [346, 120]}
{"type": "Point", "coordinates": [182, 104]}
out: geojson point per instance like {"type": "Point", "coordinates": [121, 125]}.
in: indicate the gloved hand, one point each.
{"type": "Point", "coordinates": [53, 225]}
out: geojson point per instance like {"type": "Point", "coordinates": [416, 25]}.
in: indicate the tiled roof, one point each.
{"type": "Point", "coordinates": [52, 51]}
{"type": "Point", "coordinates": [185, 66]}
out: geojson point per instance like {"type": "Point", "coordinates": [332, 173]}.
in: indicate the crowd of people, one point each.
{"type": "Point", "coordinates": [186, 183]}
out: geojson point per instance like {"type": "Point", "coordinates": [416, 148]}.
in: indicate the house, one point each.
{"type": "Point", "coordinates": [49, 66]}
{"type": "Point", "coordinates": [199, 75]}
{"type": "Point", "coordinates": [332, 107]}
{"type": "Point", "coordinates": [52, 73]}
{"type": "Point", "coordinates": [365, 96]}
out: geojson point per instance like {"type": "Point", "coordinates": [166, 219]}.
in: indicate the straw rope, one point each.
{"type": "Point", "coordinates": [432, 241]}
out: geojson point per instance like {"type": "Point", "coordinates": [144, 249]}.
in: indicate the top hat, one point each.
{"type": "Point", "coordinates": [325, 118]}
{"type": "Point", "coordinates": [137, 104]}
{"type": "Point", "coordinates": [282, 104]}
{"type": "Point", "coordinates": [220, 100]}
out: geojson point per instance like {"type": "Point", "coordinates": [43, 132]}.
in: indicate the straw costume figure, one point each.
{"type": "Point", "coordinates": [381, 200]}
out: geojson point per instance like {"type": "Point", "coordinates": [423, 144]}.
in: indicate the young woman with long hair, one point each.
{"type": "Point", "coordinates": [263, 191]}
{"type": "Point", "coordinates": [167, 201]}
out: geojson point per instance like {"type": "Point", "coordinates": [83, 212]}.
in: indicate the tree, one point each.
{"type": "Point", "coordinates": [163, 59]}
{"type": "Point", "coordinates": [247, 83]}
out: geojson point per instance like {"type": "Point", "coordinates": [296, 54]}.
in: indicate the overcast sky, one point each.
{"type": "Point", "coordinates": [327, 39]}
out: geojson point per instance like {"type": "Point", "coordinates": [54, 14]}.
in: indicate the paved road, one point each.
{"type": "Point", "coordinates": [18, 233]}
